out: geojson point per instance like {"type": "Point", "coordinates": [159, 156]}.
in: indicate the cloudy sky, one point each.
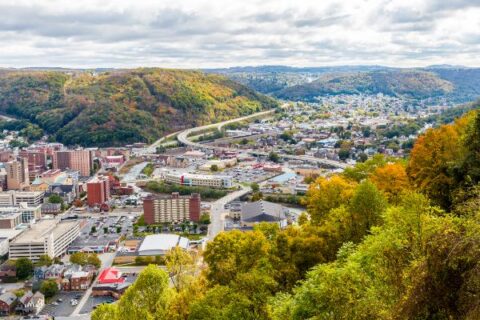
{"type": "Point", "coordinates": [222, 33]}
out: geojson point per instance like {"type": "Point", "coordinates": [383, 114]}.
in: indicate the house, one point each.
{"type": "Point", "coordinates": [110, 289]}
{"type": "Point", "coordinates": [22, 305]}
{"type": "Point", "coordinates": [76, 278]}
{"type": "Point", "coordinates": [8, 270]}
{"type": "Point", "coordinates": [7, 303]}
{"type": "Point", "coordinates": [54, 272]}
{"type": "Point", "coordinates": [31, 303]}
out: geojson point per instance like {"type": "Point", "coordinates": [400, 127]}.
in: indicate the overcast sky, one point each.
{"type": "Point", "coordinates": [212, 33]}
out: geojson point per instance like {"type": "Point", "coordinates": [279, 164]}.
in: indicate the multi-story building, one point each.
{"type": "Point", "coordinates": [80, 160]}
{"type": "Point", "coordinates": [11, 217]}
{"type": "Point", "coordinates": [37, 161]}
{"type": "Point", "coordinates": [171, 209]}
{"type": "Point", "coordinates": [14, 198]}
{"type": "Point", "coordinates": [17, 174]}
{"type": "Point", "coordinates": [98, 191]}
{"type": "Point", "coordinates": [49, 236]}
{"type": "Point", "coordinates": [202, 180]}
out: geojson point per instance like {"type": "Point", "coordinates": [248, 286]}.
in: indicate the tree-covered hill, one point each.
{"type": "Point", "coordinates": [456, 84]}
{"type": "Point", "coordinates": [409, 83]}
{"type": "Point", "coordinates": [118, 107]}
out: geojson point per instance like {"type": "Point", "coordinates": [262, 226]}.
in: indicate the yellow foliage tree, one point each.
{"type": "Point", "coordinates": [326, 194]}
{"type": "Point", "coordinates": [391, 179]}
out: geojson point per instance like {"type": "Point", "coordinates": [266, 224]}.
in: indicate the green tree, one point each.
{"type": "Point", "coordinates": [255, 187]}
{"type": "Point", "coordinates": [49, 288]}
{"type": "Point", "coordinates": [274, 157]}
{"type": "Point", "coordinates": [214, 168]}
{"type": "Point", "coordinates": [44, 260]}
{"type": "Point", "coordinates": [205, 218]}
{"type": "Point", "coordinates": [147, 298]}
{"type": "Point", "coordinates": [55, 198]}
{"type": "Point", "coordinates": [24, 268]}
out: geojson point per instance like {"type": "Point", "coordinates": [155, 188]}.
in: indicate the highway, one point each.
{"type": "Point", "coordinates": [183, 138]}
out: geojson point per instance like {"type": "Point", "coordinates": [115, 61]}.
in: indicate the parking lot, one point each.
{"type": "Point", "coordinates": [248, 174]}
{"type": "Point", "coordinates": [63, 308]}
{"type": "Point", "coordinates": [92, 302]}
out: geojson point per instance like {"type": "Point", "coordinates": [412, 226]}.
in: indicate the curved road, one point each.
{"type": "Point", "coordinates": [183, 138]}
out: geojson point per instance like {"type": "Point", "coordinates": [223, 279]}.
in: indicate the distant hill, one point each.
{"type": "Point", "coordinates": [456, 83]}
{"type": "Point", "coordinates": [124, 106]}
{"type": "Point", "coordinates": [409, 83]}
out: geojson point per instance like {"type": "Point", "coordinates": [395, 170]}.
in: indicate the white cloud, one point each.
{"type": "Point", "coordinates": [214, 33]}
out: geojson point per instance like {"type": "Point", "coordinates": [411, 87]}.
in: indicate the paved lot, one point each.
{"type": "Point", "coordinates": [63, 308]}
{"type": "Point", "coordinates": [94, 301]}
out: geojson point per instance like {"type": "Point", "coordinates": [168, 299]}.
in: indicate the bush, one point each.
{"type": "Point", "coordinates": [49, 288]}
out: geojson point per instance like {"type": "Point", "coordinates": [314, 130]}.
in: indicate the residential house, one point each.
{"type": "Point", "coordinates": [8, 270]}
{"type": "Point", "coordinates": [7, 303]}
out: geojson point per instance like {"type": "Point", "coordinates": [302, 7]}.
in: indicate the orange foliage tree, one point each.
{"type": "Point", "coordinates": [391, 179]}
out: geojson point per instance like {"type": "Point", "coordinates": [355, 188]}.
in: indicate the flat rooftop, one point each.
{"type": "Point", "coordinates": [162, 242]}
{"type": "Point", "coordinates": [42, 228]}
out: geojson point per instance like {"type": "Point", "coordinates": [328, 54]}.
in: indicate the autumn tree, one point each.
{"type": "Point", "coordinates": [326, 194]}
{"type": "Point", "coordinates": [392, 179]}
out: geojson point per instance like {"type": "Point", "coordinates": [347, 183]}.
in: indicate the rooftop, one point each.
{"type": "Point", "coordinates": [163, 242]}
{"type": "Point", "coordinates": [37, 231]}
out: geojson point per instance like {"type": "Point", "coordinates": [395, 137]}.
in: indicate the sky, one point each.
{"type": "Point", "coordinates": [222, 33]}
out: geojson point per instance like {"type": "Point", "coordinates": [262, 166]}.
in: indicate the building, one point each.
{"type": "Point", "coordinates": [17, 174]}
{"type": "Point", "coordinates": [110, 276]}
{"type": "Point", "coordinates": [160, 244]}
{"type": "Point", "coordinates": [49, 236]}
{"type": "Point", "coordinates": [171, 208]}
{"type": "Point", "coordinates": [80, 160]}
{"type": "Point", "coordinates": [31, 303]}
{"type": "Point", "coordinates": [14, 198]}
{"type": "Point", "coordinates": [98, 191]}
{"type": "Point", "coordinates": [262, 211]}
{"type": "Point", "coordinates": [51, 208]}
{"type": "Point", "coordinates": [37, 161]}
{"type": "Point", "coordinates": [11, 217]}
{"type": "Point", "coordinates": [201, 180]}
{"type": "Point", "coordinates": [77, 278]}
{"type": "Point", "coordinates": [7, 303]}
{"type": "Point", "coordinates": [4, 246]}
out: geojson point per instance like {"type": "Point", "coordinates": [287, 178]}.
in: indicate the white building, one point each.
{"type": "Point", "coordinates": [50, 237]}
{"type": "Point", "coordinates": [201, 180]}
{"type": "Point", "coordinates": [13, 198]}
{"type": "Point", "coordinates": [160, 244]}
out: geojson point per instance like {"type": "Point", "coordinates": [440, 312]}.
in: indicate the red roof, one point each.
{"type": "Point", "coordinates": [110, 275]}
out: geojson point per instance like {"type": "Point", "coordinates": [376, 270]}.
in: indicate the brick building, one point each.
{"type": "Point", "coordinates": [80, 160]}
{"type": "Point", "coordinates": [17, 174]}
{"type": "Point", "coordinates": [173, 208]}
{"type": "Point", "coordinates": [98, 191]}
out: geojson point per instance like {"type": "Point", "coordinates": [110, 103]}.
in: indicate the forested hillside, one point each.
{"type": "Point", "coordinates": [409, 84]}
{"type": "Point", "coordinates": [456, 84]}
{"type": "Point", "coordinates": [386, 239]}
{"type": "Point", "coordinates": [118, 107]}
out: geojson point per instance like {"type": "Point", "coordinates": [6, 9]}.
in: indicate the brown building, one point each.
{"type": "Point", "coordinates": [80, 160]}
{"type": "Point", "coordinates": [17, 174]}
{"type": "Point", "coordinates": [7, 303]}
{"type": "Point", "coordinates": [98, 191]}
{"type": "Point", "coordinates": [37, 161]}
{"type": "Point", "coordinates": [173, 208]}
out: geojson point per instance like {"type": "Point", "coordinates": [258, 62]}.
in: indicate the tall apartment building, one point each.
{"type": "Point", "coordinates": [50, 237]}
{"type": "Point", "coordinates": [37, 161]}
{"type": "Point", "coordinates": [17, 174]}
{"type": "Point", "coordinates": [98, 191]}
{"type": "Point", "coordinates": [173, 208]}
{"type": "Point", "coordinates": [80, 160]}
